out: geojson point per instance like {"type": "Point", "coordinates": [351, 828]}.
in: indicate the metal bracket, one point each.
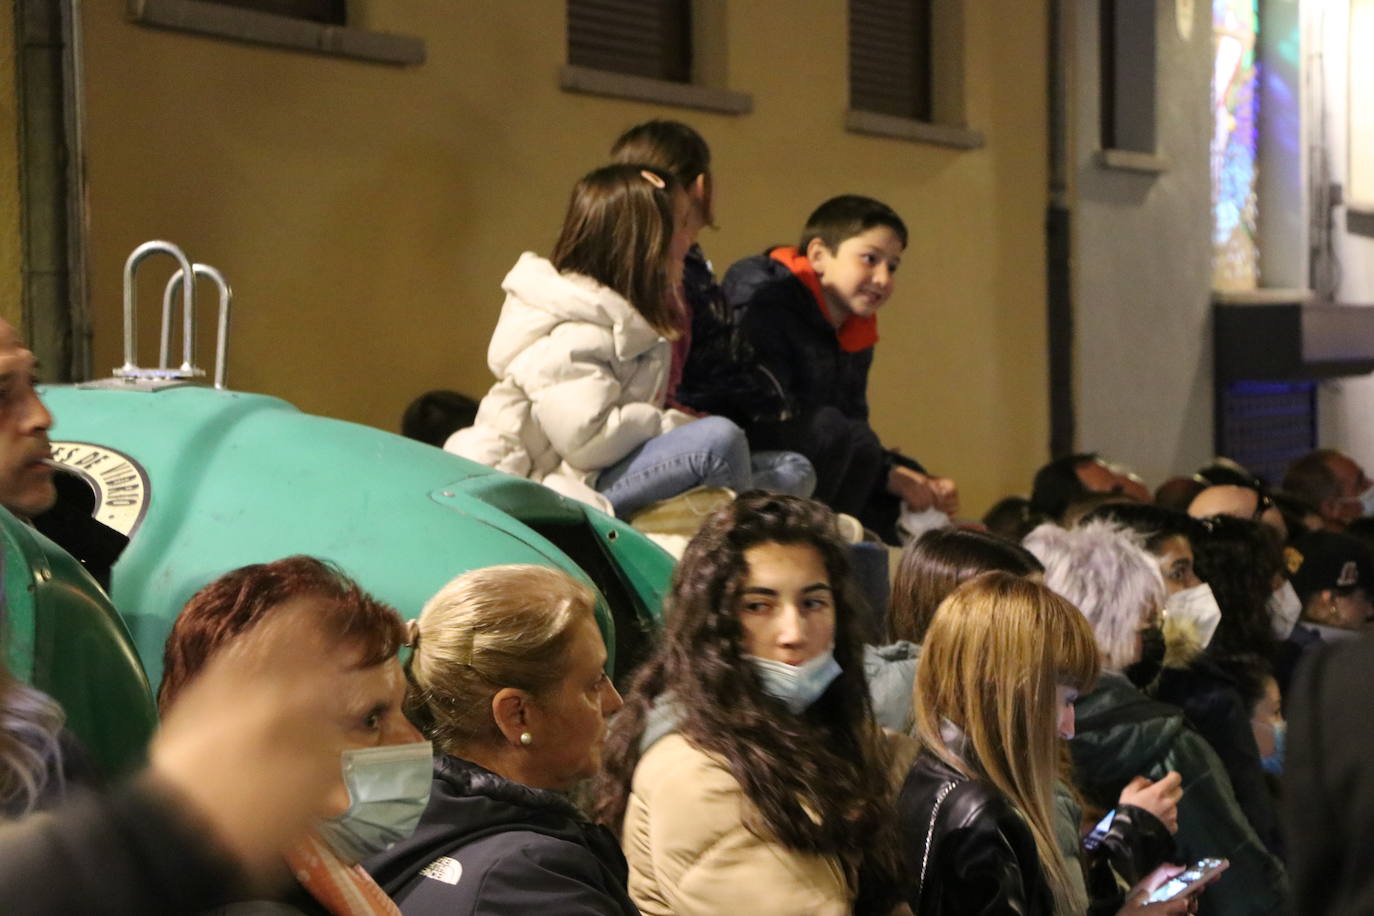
{"type": "Point", "coordinates": [184, 277]}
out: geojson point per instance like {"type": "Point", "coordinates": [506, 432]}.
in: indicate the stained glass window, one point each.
{"type": "Point", "coordinates": [1235, 107]}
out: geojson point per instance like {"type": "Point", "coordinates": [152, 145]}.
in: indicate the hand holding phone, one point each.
{"type": "Point", "coordinates": [1189, 882]}
{"type": "Point", "coordinates": [1159, 797]}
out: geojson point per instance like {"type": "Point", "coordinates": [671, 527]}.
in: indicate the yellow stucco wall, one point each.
{"type": "Point", "coordinates": [11, 252]}
{"type": "Point", "coordinates": [366, 214]}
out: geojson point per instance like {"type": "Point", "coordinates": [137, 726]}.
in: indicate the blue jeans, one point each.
{"type": "Point", "coordinates": [709, 452]}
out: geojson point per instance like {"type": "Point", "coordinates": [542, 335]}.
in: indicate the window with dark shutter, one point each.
{"type": "Point", "coordinates": [649, 38]}
{"type": "Point", "coordinates": [325, 12]}
{"type": "Point", "coordinates": [890, 57]}
{"type": "Point", "coordinates": [1127, 42]}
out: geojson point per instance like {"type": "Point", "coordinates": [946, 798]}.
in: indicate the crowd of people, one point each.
{"type": "Point", "coordinates": [1057, 709]}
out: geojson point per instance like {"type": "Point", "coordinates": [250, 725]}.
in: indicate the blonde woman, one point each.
{"type": "Point", "coordinates": [508, 679]}
{"type": "Point", "coordinates": [1003, 661]}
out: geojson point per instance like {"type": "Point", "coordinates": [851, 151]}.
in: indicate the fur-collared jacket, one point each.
{"type": "Point", "coordinates": [581, 378]}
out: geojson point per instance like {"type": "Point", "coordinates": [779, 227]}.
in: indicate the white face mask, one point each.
{"type": "Point", "coordinates": [1284, 610]}
{"type": "Point", "coordinates": [1367, 502]}
{"type": "Point", "coordinates": [797, 686]}
{"type": "Point", "coordinates": [1198, 606]}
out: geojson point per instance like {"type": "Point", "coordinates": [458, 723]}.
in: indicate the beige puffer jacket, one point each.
{"type": "Point", "coordinates": [689, 851]}
{"type": "Point", "coordinates": [580, 380]}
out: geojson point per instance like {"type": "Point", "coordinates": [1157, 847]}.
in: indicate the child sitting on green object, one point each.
{"type": "Point", "coordinates": [810, 313]}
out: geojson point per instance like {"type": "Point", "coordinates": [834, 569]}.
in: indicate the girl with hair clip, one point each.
{"type": "Point", "coordinates": [581, 354]}
{"type": "Point", "coordinates": [714, 369]}
{"type": "Point", "coordinates": [1003, 661]}
{"type": "Point", "coordinates": [744, 774]}
{"type": "Point", "coordinates": [508, 677]}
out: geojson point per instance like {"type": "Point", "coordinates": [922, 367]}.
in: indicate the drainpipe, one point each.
{"type": "Point", "coordinates": [1059, 298]}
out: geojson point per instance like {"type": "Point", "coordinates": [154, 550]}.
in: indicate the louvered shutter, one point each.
{"type": "Point", "coordinates": [889, 57]}
{"type": "Point", "coordinates": [638, 37]}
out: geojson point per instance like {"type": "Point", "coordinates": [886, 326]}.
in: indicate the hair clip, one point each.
{"type": "Point", "coordinates": [654, 179]}
{"type": "Point", "coordinates": [412, 634]}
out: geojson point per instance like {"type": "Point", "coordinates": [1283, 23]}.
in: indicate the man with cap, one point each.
{"type": "Point", "coordinates": [1333, 575]}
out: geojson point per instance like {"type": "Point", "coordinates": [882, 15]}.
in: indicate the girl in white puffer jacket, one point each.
{"type": "Point", "coordinates": [581, 353]}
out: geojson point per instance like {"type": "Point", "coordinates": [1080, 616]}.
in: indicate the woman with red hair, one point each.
{"type": "Point", "coordinates": [361, 818]}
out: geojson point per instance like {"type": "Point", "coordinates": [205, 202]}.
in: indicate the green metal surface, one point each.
{"type": "Point", "coordinates": [65, 638]}
{"type": "Point", "coordinates": [238, 478]}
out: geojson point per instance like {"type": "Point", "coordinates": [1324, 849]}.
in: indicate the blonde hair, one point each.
{"type": "Point", "coordinates": [503, 626]}
{"type": "Point", "coordinates": [996, 650]}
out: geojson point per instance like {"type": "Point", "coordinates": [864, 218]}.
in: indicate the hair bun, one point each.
{"type": "Point", "coordinates": [412, 634]}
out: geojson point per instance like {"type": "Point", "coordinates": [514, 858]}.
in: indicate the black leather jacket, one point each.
{"type": "Point", "coordinates": [982, 857]}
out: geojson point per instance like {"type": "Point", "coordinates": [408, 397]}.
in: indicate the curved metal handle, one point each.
{"type": "Point", "coordinates": [226, 301]}
{"type": "Point", "coordinates": [130, 312]}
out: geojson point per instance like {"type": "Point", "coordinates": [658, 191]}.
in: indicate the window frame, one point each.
{"type": "Point", "coordinates": [706, 90]}
{"type": "Point", "coordinates": [223, 21]}
{"type": "Point", "coordinates": [948, 125]}
{"type": "Point", "coordinates": [1118, 107]}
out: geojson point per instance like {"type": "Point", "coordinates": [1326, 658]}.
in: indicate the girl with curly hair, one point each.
{"type": "Point", "coordinates": [744, 773]}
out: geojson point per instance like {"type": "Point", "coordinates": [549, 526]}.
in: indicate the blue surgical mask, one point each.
{"type": "Point", "coordinates": [1273, 763]}
{"type": "Point", "coordinates": [797, 686]}
{"type": "Point", "coordinates": [388, 789]}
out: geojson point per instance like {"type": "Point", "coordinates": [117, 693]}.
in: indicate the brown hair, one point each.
{"type": "Point", "coordinates": [934, 564]}
{"type": "Point", "coordinates": [846, 216]}
{"type": "Point", "coordinates": [239, 600]}
{"type": "Point", "coordinates": [619, 231]}
{"type": "Point", "coordinates": [668, 145]}
{"type": "Point", "coordinates": [502, 626]}
{"type": "Point", "coordinates": [1311, 479]}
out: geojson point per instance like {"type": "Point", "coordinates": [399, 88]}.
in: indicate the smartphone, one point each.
{"type": "Point", "coordinates": [1099, 833]}
{"type": "Point", "coordinates": [1183, 883]}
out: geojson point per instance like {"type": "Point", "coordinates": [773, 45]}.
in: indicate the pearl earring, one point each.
{"type": "Point", "coordinates": [526, 739]}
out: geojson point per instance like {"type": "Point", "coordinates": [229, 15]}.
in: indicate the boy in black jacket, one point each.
{"type": "Point", "coordinates": [810, 314]}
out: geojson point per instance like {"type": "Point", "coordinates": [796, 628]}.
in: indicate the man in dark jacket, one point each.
{"type": "Point", "coordinates": [810, 315]}
{"type": "Point", "coordinates": [1327, 797]}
